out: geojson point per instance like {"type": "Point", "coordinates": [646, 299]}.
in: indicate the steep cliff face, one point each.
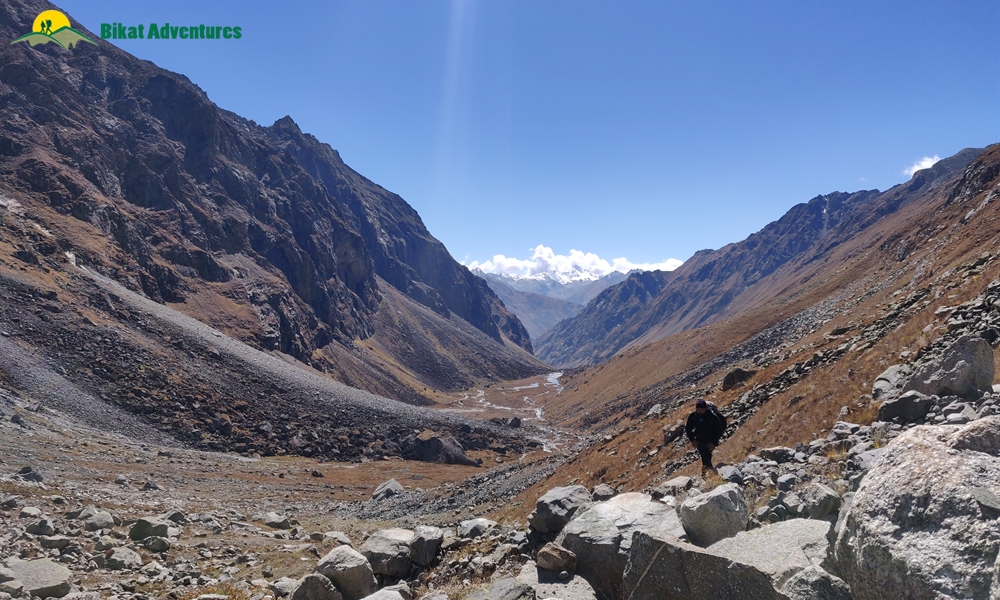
{"type": "Point", "coordinates": [714, 284]}
{"type": "Point", "coordinates": [197, 207]}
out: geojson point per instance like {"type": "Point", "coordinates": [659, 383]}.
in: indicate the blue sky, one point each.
{"type": "Point", "coordinates": [645, 130]}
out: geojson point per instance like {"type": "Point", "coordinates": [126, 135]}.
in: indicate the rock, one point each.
{"type": "Point", "coordinates": [965, 369]}
{"type": "Point", "coordinates": [276, 521]}
{"type": "Point", "coordinates": [786, 482]}
{"type": "Point", "coordinates": [43, 526]}
{"type": "Point", "coordinates": [661, 567]}
{"type": "Point", "coordinates": [909, 407]}
{"type": "Point", "coordinates": [553, 557]}
{"type": "Point", "coordinates": [502, 589]}
{"type": "Point", "coordinates": [673, 432]}
{"type": "Point", "coordinates": [156, 544]}
{"type": "Point", "coordinates": [284, 586]}
{"type": "Point", "coordinates": [386, 594]}
{"type": "Point", "coordinates": [601, 536]}
{"type": "Point", "coordinates": [388, 551]}
{"type": "Point", "coordinates": [30, 474]}
{"type": "Point", "coordinates": [603, 492]}
{"type": "Point", "coordinates": [149, 526]}
{"type": "Point", "coordinates": [818, 501]}
{"type": "Point", "coordinates": [29, 512]}
{"type": "Point", "coordinates": [735, 378]}
{"type": "Point", "coordinates": [122, 558]}
{"type": "Point", "coordinates": [435, 595]}
{"type": "Point", "coordinates": [548, 584]}
{"type": "Point", "coordinates": [714, 515]}
{"type": "Point", "coordinates": [980, 436]}
{"type": "Point", "coordinates": [338, 536]}
{"type": "Point", "coordinates": [915, 516]}
{"type": "Point", "coordinates": [731, 474]}
{"type": "Point", "coordinates": [42, 578]}
{"type": "Point", "coordinates": [474, 528]}
{"type": "Point", "coordinates": [890, 382]}
{"type": "Point", "coordinates": [781, 549]}
{"type": "Point", "coordinates": [673, 487]}
{"type": "Point", "coordinates": [425, 544]}
{"type": "Point", "coordinates": [175, 516]}
{"type": "Point", "coordinates": [432, 447]}
{"type": "Point", "coordinates": [813, 583]}
{"type": "Point", "coordinates": [778, 454]}
{"type": "Point", "coordinates": [867, 459]}
{"type": "Point", "coordinates": [557, 506]}
{"type": "Point", "coordinates": [513, 422]}
{"type": "Point", "coordinates": [387, 490]}
{"type": "Point", "coordinates": [58, 542]}
{"type": "Point", "coordinates": [99, 521]}
{"type": "Point", "coordinates": [655, 411]}
{"type": "Point", "coordinates": [314, 587]}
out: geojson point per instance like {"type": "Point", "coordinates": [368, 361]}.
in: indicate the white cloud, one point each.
{"type": "Point", "coordinates": [577, 265]}
{"type": "Point", "coordinates": [924, 163]}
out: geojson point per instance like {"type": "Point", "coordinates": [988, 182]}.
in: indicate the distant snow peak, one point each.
{"type": "Point", "coordinates": [924, 163]}
{"type": "Point", "coordinates": [577, 266]}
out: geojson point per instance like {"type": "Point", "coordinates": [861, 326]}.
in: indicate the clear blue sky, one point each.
{"type": "Point", "coordinates": [639, 129]}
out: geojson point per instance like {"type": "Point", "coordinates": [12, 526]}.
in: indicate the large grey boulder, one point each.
{"type": "Point", "coordinates": [813, 583]}
{"type": "Point", "coordinates": [965, 369]}
{"type": "Point", "coordinates": [921, 524]}
{"type": "Point", "coordinates": [425, 544]}
{"type": "Point", "coordinates": [99, 520]}
{"type": "Point", "coordinates": [273, 519]}
{"type": "Point", "coordinates": [890, 382]}
{"type": "Point", "coordinates": [150, 526]}
{"type": "Point", "coordinates": [909, 407]}
{"type": "Point", "coordinates": [473, 528]}
{"type": "Point", "coordinates": [350, 571]}
{"type": "Point", "coordinates": [663, 568]}
{"type": "Point", "coordinates": [553, 557]}
{"type": "Point", "coordinates": [122, 558]}
{"type": "Point", "coordinates": [715, 515]}
{"type": "Point", "coordinates": [387, 489]}
{"type": "Point", "coordinates": [42, 578]}
{"type": "Point", "coordinates": [780, 550]}
{"type": "Point", "coordinates": [554, 509]}
{"type": "Point", "coordinates": [502, 589]}
{"type": "Point", "coordinates": [601, 537]}
{"type": "Point", "coordinates": [429, 446]}
{"type": "Point", "coordinates": [388, 551]}
{"type": "Point", "coordinates": [314, 587]}
{"type": "Point", "coordinates": [547, 584]}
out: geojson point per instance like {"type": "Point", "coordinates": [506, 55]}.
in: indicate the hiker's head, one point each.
{"type": "Point", "coordinates": [700, 406]}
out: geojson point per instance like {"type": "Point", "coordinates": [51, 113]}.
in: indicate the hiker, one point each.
{"type": "Point", "coordinates": [704, 429]}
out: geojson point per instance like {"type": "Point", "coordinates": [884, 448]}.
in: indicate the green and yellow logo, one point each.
{"type": "Point", "coordinates": [53, 26]}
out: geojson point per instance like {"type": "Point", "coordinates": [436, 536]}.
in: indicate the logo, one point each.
{"type": "Point", "coordinates": [53, 26]}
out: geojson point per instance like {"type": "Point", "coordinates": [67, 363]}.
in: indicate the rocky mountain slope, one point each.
{"type": "Point", "coordinates": [716, 284]}
{"type": "Point", "coordinates": [261, 231]}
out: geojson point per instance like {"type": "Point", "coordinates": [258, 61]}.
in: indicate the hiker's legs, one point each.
{"type": "Point", "coordinates": [706, 458]}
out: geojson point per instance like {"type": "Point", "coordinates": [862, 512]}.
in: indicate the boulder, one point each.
{"type": "Point", "coordinates": [42, 578]}
{"type": "Point", "coordinates": [601, 536]}
{"type": "Point", "coordinates": [965, 369]}
{"type": "Point", "coordinates": [387, 594]}
{"type": "Point", "coordinates": [350, 571]}
{"type": "Point", "coordinates": [715, 515]}
{"type": "Point", "coordinates": [547, 584]}
{"type": "Point", "coordinates": [553, 557]}
{"type": "Point", "coordinates": [813, 583]}
{"type": "Point", "coordinates": [890, 382]}
{"type": "Point", "coordinates": [778, 454]}
{"type": "Point", "coordinates": [731, 474]}
{"type": "Point", "coordinates": [780, 550]}
{"type": "Point", "coordinates": [123, 558]}
{"type": "Point", "coordinates": [314, 587]}
{"type": "Point", "coordinates": [388, 552]}
{"type": "Point", "coordinates": [150, 526]}
{"type": "Point", "coordinates": [603, 492]}
{"type": "Point", "coordinates": [339, 537]}
{"type": "Point", "coordinates": [735, 378]}
{"type": "Point", "coordinates": [502, 589]}
{"type": "Point", "coordinates": [57, 541]}
{"type": "Point", "coordinates": [673, 487]}
{"type": "Point", "coordinates": [43, 526]}
{"type": "Point", "coordinates": [276, 521]}
{"type": "Point", "coordinates": [909, 407]}
{"type": "Point", "coordinates": [98, 521]}
{"type": "Point", "coordinates": [387, 489]}
{"type": "Point", "coordinates": [673, 432]}
{"type": "Point", "coordinates": [283, 586]}
{"type": "Point", "coordinates": [425, 544]}
{"type": "Point", "coordinates": [474, 528]}
{"type": "Point", "coordinates": [429, 446]}
{"type": "Point", "coordinates": [663, 568]}
{"type": "Point", "coordinates": [557, 506]}
{"type": "Point", "coordinates": [915, 528]}
{"type": "Point", "coordinates": [818, 501]}
{"type": "Point", "coordinates": [156, 544]}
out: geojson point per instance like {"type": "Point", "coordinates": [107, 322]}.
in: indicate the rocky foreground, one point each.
{"type": "Point", "coordinates": [906, 507]}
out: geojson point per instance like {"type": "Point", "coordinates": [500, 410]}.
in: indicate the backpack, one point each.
{"type": "Point", "coordinates": [714, 409]}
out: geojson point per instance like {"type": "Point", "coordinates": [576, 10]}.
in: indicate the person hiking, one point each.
{"type": "Point", "coordinates": [704, 429]}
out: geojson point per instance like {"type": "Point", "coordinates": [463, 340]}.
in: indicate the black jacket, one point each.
{"type": "Point", "coordinates": [704, 428]}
